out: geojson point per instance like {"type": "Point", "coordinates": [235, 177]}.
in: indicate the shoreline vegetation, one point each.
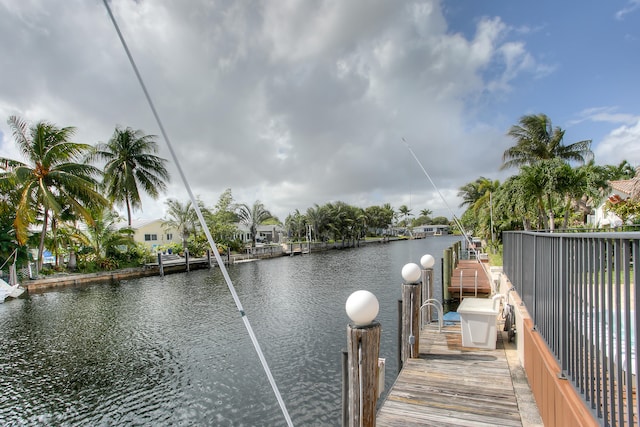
{"type": "Point", "coordinates": [177, 264]}
{"type": "Point", "coordinates": [75, 218]}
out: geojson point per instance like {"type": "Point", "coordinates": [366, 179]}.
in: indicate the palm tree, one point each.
{"type": "Point", "coordinates": [516, 202]}
{"type": "Point", "coordinates": [252, 217]}
{"type": "Point", "coordinates": [103, 237]}
{"type": "Point", "coordinates": [131, 167]}
{"type": "Point", "coordinates": [406, 212]}
{"type": "Point", "coordinates": [378, 218]}
{"type": "Point", "coordinates": [359, 223]}
{"type": "Point", "coordinates": [477, 196]}
{"type": "Point", "coordinates": [54, 178]}
{"type": "Point", "coordinates": [317, 219]}
{"type": "Point", "coordinates": [589, 189]}
{"type": "Point", "coordinates": [388, 214]}
{"type": "Point", "coordinates": [295, 224]}
{"type": "Point", "coordinates": [426, 212]}
{"type": "Point", "coordinates": [222, 220]}
{"type": "Point", "coordinates": [471, 192]}
{"type": "Point", "coordinates": [181, 217]}
{"type": "Point", "coordinates": [537, 140]}
{"type": "Point", "coordinates": [341, 220]}
{"type": "Point", "coordinates": [624, 170]}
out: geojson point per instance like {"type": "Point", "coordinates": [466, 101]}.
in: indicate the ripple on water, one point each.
{"type": "Point", "coordinates": [174, 350]}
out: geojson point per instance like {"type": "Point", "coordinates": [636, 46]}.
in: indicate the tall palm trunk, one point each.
{"type": "Point", "coordinates": [254, 231]}
{"type": "Point", "coordinates": [128, 210]}
{"type": "Point", "coordinates": [56, 247]}
{"type": "Point", "coordinates": [552, 222]}
{"type": "Point", "coordinates": [185, 236]}
{"type": "Point", "coordinates": [45, 225]}
{"type": "Point", "coordinates": [567, 213]}
{"type": "Point", "coordinates": [542, 216]}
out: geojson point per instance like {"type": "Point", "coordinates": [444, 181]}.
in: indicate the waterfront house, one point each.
{"type": "Point", "coordinates": [154, 233]}
{"type": "Point", "coordinates": [266, 233]}
{"type": "Point", "coordinates": [620, 190]}
{"type": "Point", "coordinates": [430, 230]}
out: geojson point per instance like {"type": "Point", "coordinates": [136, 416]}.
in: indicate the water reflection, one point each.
{"type": "Point", "coordinates": [174, 350]}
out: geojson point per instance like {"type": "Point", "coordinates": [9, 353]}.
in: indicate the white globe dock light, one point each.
{"type": "Point", "coordinates": [427, 261]}
{"type": "Point", "coordinates": [363, 350]}
{"type": "Point", "coordinates": [362, 307]}
{"type": "Point", "coordinates": [411, 273]}
{"type": "Point", "coordinates": [410, 317]}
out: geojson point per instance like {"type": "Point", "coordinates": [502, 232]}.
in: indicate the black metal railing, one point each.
{"type": "Point", "coordinates": [582, 291]}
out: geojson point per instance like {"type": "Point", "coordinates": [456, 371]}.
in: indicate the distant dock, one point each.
{"type": "Point", "coordinates": [470, 279]}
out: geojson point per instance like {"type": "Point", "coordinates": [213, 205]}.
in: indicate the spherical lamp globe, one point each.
{"type": "Point", "coordinates": [362, 307]}
{"type": "Point", "coordinates": [411, 272]}
{"type": "Point", "coordinates": [427, 261]}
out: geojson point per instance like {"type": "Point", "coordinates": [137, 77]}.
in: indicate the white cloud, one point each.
{"type": "Point", "coordinates": [632, 5]}
{"type": "Point", "coordinates": [623, 143]}
{"type": "Point", "coordinates": [606, 115]}
{"type": "Point", "coordinates": [292, 103]}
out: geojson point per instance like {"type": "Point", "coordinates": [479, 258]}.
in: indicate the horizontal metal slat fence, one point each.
{"type": "Point", "coordinates": [581, 290]}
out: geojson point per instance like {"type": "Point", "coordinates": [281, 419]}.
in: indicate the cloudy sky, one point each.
{"type": "Point", "coordinates": [302, 102]}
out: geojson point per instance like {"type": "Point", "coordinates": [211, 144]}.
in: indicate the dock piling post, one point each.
{"type": "Point", "coordinates": [410, 321]}
{"type": "Point", "coordinates": [160, 267]}
{"type": "Point", "coordinates": [400, 335]}
{"type": "Point", "coordinates": [345, 388]}
{"type": "Point", "coordinates": [363, 348]}
{"type": "Point", "coordinates": [427, 262]}
{"type": "Point", "coordinates": [411, 302]}
{"type": "Point", "coordinates": [446, 275]}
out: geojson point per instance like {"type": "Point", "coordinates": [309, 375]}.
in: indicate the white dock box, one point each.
{"type": "Point", "coordinates": [478, 321]}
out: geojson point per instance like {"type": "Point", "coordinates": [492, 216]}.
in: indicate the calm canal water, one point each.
{"type": "Point", "coordinates": [174, 350]}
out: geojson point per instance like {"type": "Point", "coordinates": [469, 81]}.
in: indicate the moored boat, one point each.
{"type": "Point", "coordinates": [9, 291]}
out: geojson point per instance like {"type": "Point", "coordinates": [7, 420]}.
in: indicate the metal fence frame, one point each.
{"type": "Point", "coordinates": [583, 296]}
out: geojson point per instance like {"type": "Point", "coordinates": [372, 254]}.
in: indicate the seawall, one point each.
{"type": "Point", "coordinates": [174, 266]}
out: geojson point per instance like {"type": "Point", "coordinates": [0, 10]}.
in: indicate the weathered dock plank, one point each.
{"type": "Point", "coordinates": [452, 386]}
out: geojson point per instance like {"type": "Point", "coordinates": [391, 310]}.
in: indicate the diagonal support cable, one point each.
{"type": "Point", "coordinates": [214, 248]}
{"type": "Point", "coordinates": [453, 215]}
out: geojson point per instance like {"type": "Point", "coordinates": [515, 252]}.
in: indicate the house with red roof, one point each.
{"type": "Point", "coordinates": [621, 190]}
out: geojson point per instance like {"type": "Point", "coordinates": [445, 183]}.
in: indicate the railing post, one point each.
{"type": "Point", "coordinates": [563, 281]}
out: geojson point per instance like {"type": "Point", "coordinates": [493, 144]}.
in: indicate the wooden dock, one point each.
{"type": "Point", "coordinates": [450, 385]}
{"type": "Point", "coordinates": [471, 277]}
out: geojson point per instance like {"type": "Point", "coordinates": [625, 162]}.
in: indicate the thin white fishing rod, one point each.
{"type": "Point", "coordinates": [455, 218]}
{"type": "Point", "coordinates": [214, 247]}
{"type": "Point", "coordinates": [453, 215]}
